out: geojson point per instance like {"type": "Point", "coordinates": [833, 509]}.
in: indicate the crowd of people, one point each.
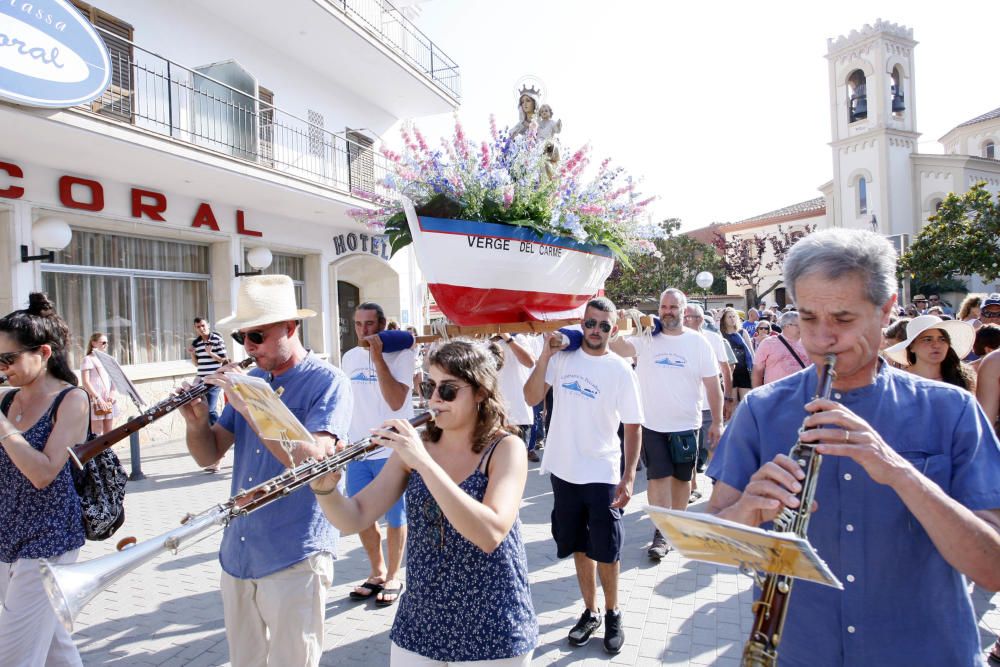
{"type": "Point", "coordinates": [908, 508]}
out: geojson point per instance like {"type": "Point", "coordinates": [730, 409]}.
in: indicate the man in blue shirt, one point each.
{"type": "Point", "coordinates": [907, 496]}
{"type": "Point", "coordinates": [277, 562]}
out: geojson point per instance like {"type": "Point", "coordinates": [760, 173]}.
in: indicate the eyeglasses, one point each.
{"type": "Point", "coordinates": [604, 325]}
{"type": "Point", "coordinates": [255, 337]}
{"type": "Point", "coordinates": [8, 358]}
{"type": "Point", "coordinates": [446, 391]}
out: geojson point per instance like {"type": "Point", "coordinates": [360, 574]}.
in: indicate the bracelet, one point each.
{"type": "Point", "coordinates": [7, 435]}
{"type": "Point", "coordinates": [318, 493]}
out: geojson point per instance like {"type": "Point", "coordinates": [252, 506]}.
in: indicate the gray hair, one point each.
{"type": "Point", "coordinates": [833, 253]}
{"type": "Point", "coordinates": [681, 296]}
{"type": "Point", "coordinates": [696, 309]}
{"type": "Point", "coordinates": [791, 317]}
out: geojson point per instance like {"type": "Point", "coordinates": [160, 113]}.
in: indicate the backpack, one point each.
{"type": "Point", "coordinates": [100, 485]}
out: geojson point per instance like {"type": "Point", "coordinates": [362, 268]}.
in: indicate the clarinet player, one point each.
{"type": "Point", "coordinates": [907, 497]}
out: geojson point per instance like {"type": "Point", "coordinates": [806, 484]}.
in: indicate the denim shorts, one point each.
{"type": "Point", "coordinates": [360, 473]}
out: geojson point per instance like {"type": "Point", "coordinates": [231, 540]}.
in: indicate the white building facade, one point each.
{"type": "Point", "coordinates": [880, 181]}
{"type": "Point", "coordinates": [228, 126]}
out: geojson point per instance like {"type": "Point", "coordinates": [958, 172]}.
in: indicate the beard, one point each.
{"type": "Point", "coordinates": [670, 321]}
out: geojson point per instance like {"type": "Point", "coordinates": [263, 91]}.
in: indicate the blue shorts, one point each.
{"type": "Point", "coordinates": [583, 521]}
{"type": "Point", "coordinates": [360, 473]}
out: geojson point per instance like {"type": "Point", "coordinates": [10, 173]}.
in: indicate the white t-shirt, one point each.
{"type": "Point", "coordinates": [671, 370]}
{"type": "Point", "coordinates": [513, 375]}
{"type": "Point", "coordinates": [370, 408]}
{"type": "Point", "coordinates": [718, 344]}
{"type": "Point", "coordinates": [591, 395]}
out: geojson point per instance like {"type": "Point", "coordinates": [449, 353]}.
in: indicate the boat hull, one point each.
{"type": "Point", "coordinates": [489, 273]}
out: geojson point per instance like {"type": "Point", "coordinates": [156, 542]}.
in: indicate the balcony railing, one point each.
{"type": "Point", "coordinates": [384, 20]}
{"type": "Point", "coordinates": [161, 96]}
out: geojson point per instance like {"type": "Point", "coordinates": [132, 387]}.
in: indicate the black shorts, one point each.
{"type": "Point", "coordinates": [583, 521]}
{"type": "Point", "coordinates": [706, 422]}
{"type": "Point", "coordinates": [656, 457]}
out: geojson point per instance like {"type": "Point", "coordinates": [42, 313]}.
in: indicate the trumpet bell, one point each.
{"type": "Point", "coordinates": [67, 589]}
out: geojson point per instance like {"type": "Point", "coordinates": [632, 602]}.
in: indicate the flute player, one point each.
{"type": "Point", "coordinates": [907, 497]}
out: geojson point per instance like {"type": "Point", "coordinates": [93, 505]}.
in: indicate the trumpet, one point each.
{"type": "Point", "coordinates": [70, 587]}
{"type": "Point", "coordinates": [771, 608]}
{"type": "Point", "coordinates": [85, 451]}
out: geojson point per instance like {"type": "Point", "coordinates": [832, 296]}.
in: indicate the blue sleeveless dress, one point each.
{"type": "Point", "coordinates": [460, 603]}
{"type": "Point", "coordinates": [38, 523]}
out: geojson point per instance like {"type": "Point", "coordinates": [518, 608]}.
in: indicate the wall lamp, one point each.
{"type": "Point", "coordinates": [48, 234]}
{"type": "Point", "coordinates": [259, 258]}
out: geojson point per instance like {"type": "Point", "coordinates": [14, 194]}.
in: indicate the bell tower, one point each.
{"type": "Point", "coordinates": [873, 122]}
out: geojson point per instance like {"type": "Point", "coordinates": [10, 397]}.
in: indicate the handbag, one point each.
{"type": "Point", "coordinates": [101, 487]}
{"type": "Point", "coordinates": [683, 446]}
{"type": "Point", "coordinates": [103, 408]}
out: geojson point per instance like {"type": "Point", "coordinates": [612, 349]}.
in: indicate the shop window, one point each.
{"type": "Point", "coordinates": [117, 36]}
{"type": "Point", "coordinates": [143, 293]}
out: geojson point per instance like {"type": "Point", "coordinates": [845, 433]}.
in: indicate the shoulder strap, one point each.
{"type": "Point", "coordinates": [8, 398]}
{"type": "Point", "coordinates": [54, 408]}
{"type": "Point", "coordinates": [794, 354]}
{"type": "Point", "coordinates": [484, 461]}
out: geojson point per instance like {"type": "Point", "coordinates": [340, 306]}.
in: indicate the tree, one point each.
{"type": "Point", "coordinates": [961, 239]}
{"type": "Point", "coordinates": [746, 258]}
{"type": "Point", "coordinates": [680, 259]}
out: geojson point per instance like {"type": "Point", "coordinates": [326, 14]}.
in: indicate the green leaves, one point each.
{"type": "Point", "coordinates": [961, 239]}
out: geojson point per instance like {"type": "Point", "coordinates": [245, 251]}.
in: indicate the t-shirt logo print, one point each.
{"type": "Point", "coordinates": [582, 387]}
{"type": "Point", "coordinates": [671, 359]}
{"type": "Point", "coordinates": [364, 375]}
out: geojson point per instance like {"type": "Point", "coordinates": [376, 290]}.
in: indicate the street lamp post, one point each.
{"type": "Point", "coordinates": [704, 280]}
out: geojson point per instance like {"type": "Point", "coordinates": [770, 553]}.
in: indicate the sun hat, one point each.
{"type": "Point", "coordinates": [918, 297]}
{"type": "Point", "coordinates": [962, 336]}
{"type": "Point", "coordinates": [264, 300]}
{"type": "Point", "coordinates": [991, 300]}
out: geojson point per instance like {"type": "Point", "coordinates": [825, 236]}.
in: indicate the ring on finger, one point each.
{"type": "Point", "coordinates": [847, 436]}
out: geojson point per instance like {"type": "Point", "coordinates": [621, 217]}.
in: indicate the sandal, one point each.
{"type": "Point", "coordinates": [373, 589]}
{"type": "Point", "coordinates": [382, 602]}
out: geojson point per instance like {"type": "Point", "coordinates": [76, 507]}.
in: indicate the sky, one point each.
{"type": "Point", "coordinates": [721, 108]}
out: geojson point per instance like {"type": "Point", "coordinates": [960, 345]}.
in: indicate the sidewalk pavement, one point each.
{"type": "Point", "coordinates": [169, 612]}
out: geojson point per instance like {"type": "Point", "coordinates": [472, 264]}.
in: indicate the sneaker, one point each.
{"type": "Point", "coordinates": [580, 634]}
{"type": "Point", "coordinates": [614, 636]}
{"type": "Point", "coordinates": [533, 456]}
{"type": "Point", "coordinates": [658, 549]}
{"type": "Point", "coordinates": [695, 496]}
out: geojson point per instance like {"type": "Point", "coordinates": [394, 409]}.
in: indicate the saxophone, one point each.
{"type": "Point", "coordinates": [771, 608]}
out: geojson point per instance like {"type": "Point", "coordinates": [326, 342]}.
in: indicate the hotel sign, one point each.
{"type": "Point", "coordinates": [50, 55]}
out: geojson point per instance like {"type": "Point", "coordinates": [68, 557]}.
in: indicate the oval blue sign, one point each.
{"type": "Point", "coordinates": [50, 55]}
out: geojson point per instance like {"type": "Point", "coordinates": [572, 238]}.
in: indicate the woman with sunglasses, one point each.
{"type": "Point", "coordinates": [97, 383]}
{"type": "Point", "coordinates": [40, 514]}
{"type": "Point", "coordinates": [762, 333]}
{"type": "Point", "coordinates": [467, 595]}
{"type": "Point", "coordinates": [739, 340]}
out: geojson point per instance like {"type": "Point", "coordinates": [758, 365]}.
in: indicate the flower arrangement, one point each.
{"type": "Point", "coordinates": [514, 180]}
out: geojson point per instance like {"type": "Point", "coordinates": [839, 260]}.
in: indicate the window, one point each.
{"type": "Point", "coordinates": [857, 102]}
{"type": "Point", "coordinates": [361, 162]}
{"type": "Point", "coordinates": [862, 196]}
{"type": "Point", "coordinates": [116, 100]}
{"type": "Point", "coordinates": [266, 125]}
{"type": "Point", "coordinates": [143, 293]}
{"type": "Point", "coordinates": [990, 150]}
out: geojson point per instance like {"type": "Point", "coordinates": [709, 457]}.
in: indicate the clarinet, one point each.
{"type": "Point", "coordinates": [771, 608]}
{"type": "Point", "coordinates": [85, 451]}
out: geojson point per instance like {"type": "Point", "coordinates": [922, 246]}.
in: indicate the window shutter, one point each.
{"type": "Point", "coordinates": [117, 35]}
{"type": "Point", "coordinates": [361, 160]}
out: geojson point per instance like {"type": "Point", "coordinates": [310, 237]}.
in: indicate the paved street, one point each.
{"type": "Point", "coordinates": [169, 611]}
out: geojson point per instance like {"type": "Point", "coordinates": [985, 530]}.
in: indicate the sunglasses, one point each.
{"type": "Point", "coordinates": [8, 358]}
{"type": "Point", "coordinates": [101, 343]}
{"type": "Point", "coordinates": [763, 328]}
{"type": "Point", "coordinates": [989, 314]}
{"type": "Point", "coordinates": [604, 325]}
{"type": "Point", "coordinates": [255, 337]}
{"type": "Point", "coordinates": [446, 391]}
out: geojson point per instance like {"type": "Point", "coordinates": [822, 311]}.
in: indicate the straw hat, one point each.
{"type": "Point", "coordinates": [264, 300]}
{"type": "Point", "coordinates": [962, 335]}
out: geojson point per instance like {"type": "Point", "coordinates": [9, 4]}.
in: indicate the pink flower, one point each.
{"type": "Point", "coordinates": [493, 128]}
{"type": "Point", "coordinates": [420, 139]}
{"type": "Point", "coordinates": [485, 161]}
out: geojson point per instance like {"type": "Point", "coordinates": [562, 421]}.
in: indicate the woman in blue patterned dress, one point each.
{"type": "Point", "coordinates": [467, 598]}
{"type": "Point", "coordinates": [39, 508]}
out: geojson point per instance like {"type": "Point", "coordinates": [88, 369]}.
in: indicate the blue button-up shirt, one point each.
{"type": "Point", "coordinates": [289, 530]}
{"type": "Point", "coordinates": [902, 604]}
